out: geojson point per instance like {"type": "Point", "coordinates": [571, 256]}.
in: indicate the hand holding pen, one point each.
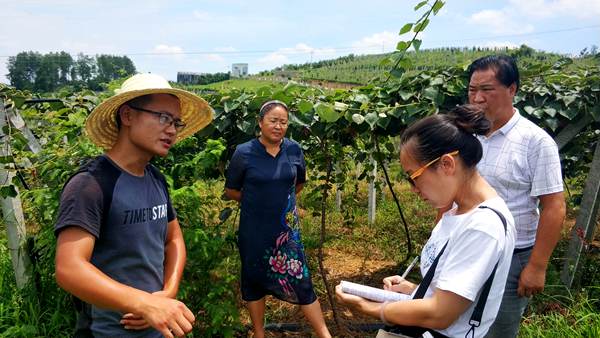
{"type": "Point", "coordinates": [399, 283]}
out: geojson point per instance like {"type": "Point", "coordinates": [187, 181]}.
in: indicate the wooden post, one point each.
{"type": "Point", "coordinates": [571, 130]}
{"type": "Point", "coordinates": [372, 205]}
{"type": "Point", "coordinates": [583, 231]}
{"type": "Point", "coordinates": [338, 191]}
{"type": "Point", "coordinates": [12, 212]}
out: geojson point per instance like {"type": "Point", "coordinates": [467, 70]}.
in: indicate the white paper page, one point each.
{"type": "Point", "coordinates": [374, 294]}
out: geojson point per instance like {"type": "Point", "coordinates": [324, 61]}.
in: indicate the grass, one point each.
{"type": "Point", "coordinates": [564, 317]}
{"type": "Point", "coordinates": [249, 84]}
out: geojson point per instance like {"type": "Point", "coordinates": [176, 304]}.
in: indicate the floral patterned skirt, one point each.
{"type": "Point", "coordinates": [273, 263]}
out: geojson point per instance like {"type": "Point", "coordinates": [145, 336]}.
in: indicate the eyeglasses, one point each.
{"type": "Point", "coordinates": [412, 177]}
{"type": "Point", "coordinates": [282, 124]}
{"type": "Point", "coordinates": [164, 118]}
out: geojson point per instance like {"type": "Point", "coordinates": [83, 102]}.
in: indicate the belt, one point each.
{"type": "Point", "coordinates": [519, 250]}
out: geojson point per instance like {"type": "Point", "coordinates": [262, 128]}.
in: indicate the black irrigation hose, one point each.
{"type": "Point", "coordinates": [389, 184]}
{"type": "Point", "coordinates": [296, 327]}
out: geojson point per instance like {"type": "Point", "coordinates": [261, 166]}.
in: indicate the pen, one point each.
{"type": "Point", "coordinates": [410, 266]}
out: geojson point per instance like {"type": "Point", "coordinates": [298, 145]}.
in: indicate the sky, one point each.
{"type": "Point", "coordinates": [165, 37]}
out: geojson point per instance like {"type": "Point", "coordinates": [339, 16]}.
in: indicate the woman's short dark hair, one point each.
{"type": "Point", "coordinates": [270, 105]}
{"type": "Point", "coordinates": [443, 133]}
{"type": "Point", "coordinates": [504, 66]}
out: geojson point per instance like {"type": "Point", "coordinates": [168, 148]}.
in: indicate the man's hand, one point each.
{"type": "Point", "coordinates": [398, 284]}
{"type": "Point", "coordinates": [531, 281]}
{"type": "Point", "coordinates": [169, 316]}
{"type": "Point", "coordinates": [132, 321]}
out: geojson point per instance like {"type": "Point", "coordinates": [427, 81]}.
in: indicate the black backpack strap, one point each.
{"type": "Point", "coordinates": [475, 319]}
{"type": "Point", "coordinates": [424, 285]}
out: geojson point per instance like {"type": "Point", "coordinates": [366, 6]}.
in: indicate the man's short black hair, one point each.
{"type": "Point", "coordinates": [504, 66]}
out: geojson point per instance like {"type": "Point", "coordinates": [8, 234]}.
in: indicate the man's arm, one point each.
{"type": "Point", "coordinates": [77, 275]}
{"type": "Point", "coordinates": [550, 225]}
{"type": "Point", "coordinates": [233, 194]}
{"type": "Point", "coordinates": [175, 256]}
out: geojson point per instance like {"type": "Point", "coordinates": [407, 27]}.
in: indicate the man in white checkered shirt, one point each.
{"type": "Point", "coordinates": [521, 162]}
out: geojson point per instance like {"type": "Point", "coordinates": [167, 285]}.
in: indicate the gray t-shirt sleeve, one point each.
{"type": "Point", "coordinates": [81, 205]}
{"type": "Point", "coordinates": [171, 214]}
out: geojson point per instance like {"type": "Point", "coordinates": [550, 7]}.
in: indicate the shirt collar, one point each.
{"type": "Point", "coordinates": [510, 124]}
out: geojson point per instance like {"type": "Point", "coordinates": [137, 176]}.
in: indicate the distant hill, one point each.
{"type": "Point", "coordinates": [360, 69]}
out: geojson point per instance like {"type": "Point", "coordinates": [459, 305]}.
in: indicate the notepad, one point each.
{"type": "Point", "coordinates": [371, 293]}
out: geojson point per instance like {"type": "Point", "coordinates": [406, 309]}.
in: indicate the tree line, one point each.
{"type": "Point", "coordinates": [39, 72]}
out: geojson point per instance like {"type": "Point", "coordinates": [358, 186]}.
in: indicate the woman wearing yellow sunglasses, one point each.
{"type": "Point", "coordinates": [466, 260]}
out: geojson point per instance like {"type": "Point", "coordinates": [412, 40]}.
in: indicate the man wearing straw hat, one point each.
{"type": "Point", "coordinates": [120, 248]}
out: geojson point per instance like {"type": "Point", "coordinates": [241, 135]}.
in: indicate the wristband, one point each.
{"type": "Point", "coordinates": [382, 315]}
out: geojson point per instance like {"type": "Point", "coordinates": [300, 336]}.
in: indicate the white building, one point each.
{"type": "Point", "coordinates": [239, 70]}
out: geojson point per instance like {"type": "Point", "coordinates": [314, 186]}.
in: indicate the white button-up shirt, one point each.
{"type": "Point", "coordinates": [520, 160]}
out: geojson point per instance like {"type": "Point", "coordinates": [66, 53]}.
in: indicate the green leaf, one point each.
{"type": "Point", "coordinates": [421, 26]}
{"type": "Point", "coordinates": [18, 101]}
{"type": "Point", "coordinates": [304, 106]}
{"type": "Point", "coordinates": [296, 120]}
{"type": "Point", "coordinates": [6, 159]}
{"type": "Point", "coordinates": [384, 121]}
{"type": "Point", "coordinates": [569, 113]}
{"type": "Point", "coordinates": [416, 44]}
{"type": "Point", "coordinates": [360, 98]}
{"type": "Point", "coordinates": [437, 6]}
{"type": "Point", "coordinates": [437, 81]}
{"type": "Point", "coordinates": [385, 62]}
{"type": "Point", "coordinates": [402, 46]}
{"type": "Point", "coordinates": [326, 112]}
{"type": "Point", "coordinates": [247, 126]}
{"type": "Point", "coordinates": [230, 106]}
{"type": "Point", "coordinates": [396, 112]}
{"type": "Point", "coordinates": [431, 93]}
{"type": "Point", "coordinates": [568, 99]}
{"type": "Point", "coordinates": [397, 72]}
{"type": "Point", "coordinates": [420, 4]}
{"type": "Point", "coordinates": [405, 95]}
{"type": "Point", "coordinates": [552, 123]}
{"type": "Point", "coordinates": [406, 28]}
{"type": "Point", "coordinates": [371, 119]}
{"type": "Point", "coordinates": [340, 106]}
{"type": "Point", "coordinates": [550, 111]}
{"type": "Point", "coordinates": [358, 119]}
{"type": "Point", "coordinates": [529, 109]}
{"type": "Point", "coordinates": [8, 191]}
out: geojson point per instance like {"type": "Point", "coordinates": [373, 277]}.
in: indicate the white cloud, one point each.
{"type": "Point", "coordinates": [214, 58]}
{"type": "Point", "coordinates": [583, 9]}
{"type": "Point", "coordinates": [172, 52]}
{"type": "Point", "coordinates": [165, 49]}
{"type": "Point", "coordinates": [300, 53]}
{"type": "Point", "coordinates": [225, 49]}
{"type": "Point", "coordinates": [201, 15]}
{"type": "Point", "coordinates": [500, 44]}
{"type": "Point", "coordinates": [378, 42]}
{"type": "Point", "coordinates": [500, 22]}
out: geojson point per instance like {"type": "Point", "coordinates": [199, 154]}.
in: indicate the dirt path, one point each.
{"type": "Point", "coordinates": [341, 266]}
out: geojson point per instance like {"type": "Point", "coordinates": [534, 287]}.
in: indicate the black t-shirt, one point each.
{"type": "Point", "coordinates": [128, 215]}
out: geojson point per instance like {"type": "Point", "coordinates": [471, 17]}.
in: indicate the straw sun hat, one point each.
{"type": "Point", "coordinates": [101, 124]}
